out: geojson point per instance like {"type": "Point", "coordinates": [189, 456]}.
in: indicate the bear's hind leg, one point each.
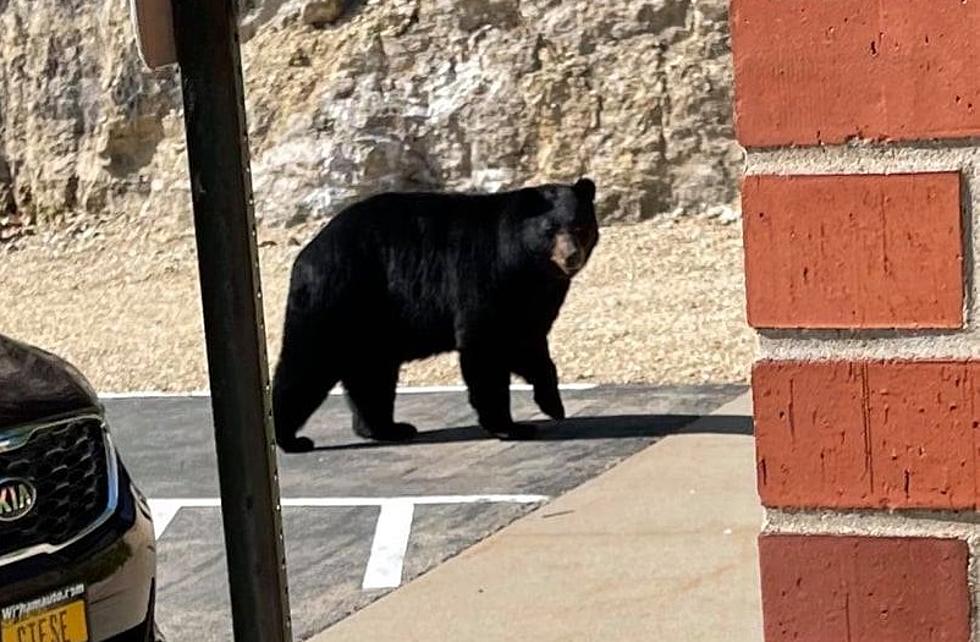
{"type": "Point", "coordinates": [370, 389]}
{"type": "Point", "coordinates": [303, 379]}
{"type": "Point", "coordinates": [295, 396]}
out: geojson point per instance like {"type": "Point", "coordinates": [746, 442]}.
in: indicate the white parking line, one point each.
{"type": "Point", "coordinates": [153, 394]}
{"type": "Point", "coordinates": [384, 567]}
{"type": "Point", "coordinates": [402, 390]}
{"type": "Point", "coordinates": [391, 533]}
{"type": "Point", "coordinates": [164, 511]}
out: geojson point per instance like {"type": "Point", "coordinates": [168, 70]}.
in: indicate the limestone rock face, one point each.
{"type": "Point", "coordinates": [320, 13]}
{"type": "Point", "coordinates": [80, 122]}
{"type": "Point", "coordinates": [375, 95]}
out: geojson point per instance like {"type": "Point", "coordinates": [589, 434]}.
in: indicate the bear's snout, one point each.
{"type": "Point", "coordinates": [567, 254]}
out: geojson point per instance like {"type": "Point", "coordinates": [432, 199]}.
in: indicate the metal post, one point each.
{"type": "Point", "coordinates": [217, 149]}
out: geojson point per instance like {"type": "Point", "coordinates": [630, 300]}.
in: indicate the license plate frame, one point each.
{"type": "Point", "coordinates": [63, 614]}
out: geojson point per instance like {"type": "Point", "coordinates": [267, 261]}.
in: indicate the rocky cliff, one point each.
{"type": "Point", "coordinates": [349, 97]}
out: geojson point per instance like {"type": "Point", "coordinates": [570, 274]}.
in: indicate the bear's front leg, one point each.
{"type": "Point", "coordinates": [488, 381]}
{"type": "Point", "coordinates": [370, 386]}
{"type": "Point", "coordinates": [534, 365]}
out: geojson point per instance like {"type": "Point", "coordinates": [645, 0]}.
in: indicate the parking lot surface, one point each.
{"type": "Point", "coordinates": [362, 518]}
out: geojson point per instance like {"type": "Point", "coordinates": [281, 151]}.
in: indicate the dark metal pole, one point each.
{"type": "Point", "coordinates": [217, 151]}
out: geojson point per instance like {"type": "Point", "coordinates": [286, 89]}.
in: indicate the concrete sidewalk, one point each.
{"type": "Point", "coordinates": [662, 547]}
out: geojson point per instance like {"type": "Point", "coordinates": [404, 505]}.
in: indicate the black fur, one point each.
{"type": "Point", "coordinates": [399, 277]}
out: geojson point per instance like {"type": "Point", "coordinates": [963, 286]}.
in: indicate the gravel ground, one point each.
{"type": "Point", "coordinates": [660, 302]}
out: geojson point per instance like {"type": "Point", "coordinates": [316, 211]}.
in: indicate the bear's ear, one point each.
{"type": "Point", "coordinates": [585, 189]}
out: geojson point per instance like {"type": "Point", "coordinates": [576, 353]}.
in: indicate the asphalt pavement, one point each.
{"type": "Point", "coordinates": [361, 518]}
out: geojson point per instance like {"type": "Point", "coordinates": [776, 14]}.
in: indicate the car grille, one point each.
{"type": "Point", "coordinates": [67, 465]}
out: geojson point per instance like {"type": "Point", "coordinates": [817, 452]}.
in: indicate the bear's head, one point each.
{"type": "Point", "coordinates": [559, 226]}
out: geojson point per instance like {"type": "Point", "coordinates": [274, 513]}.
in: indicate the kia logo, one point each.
{"type": "Point", "coordinates": [17, 498]}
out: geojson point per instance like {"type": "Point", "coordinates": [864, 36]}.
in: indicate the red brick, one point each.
{"type": "Point", "coordinates": [822, 72]}
{"type": "Point", "coordinates": [862, 251]}
{"type": "Point", "coordinates": [898, 434]}
{"type": "Point", "coordinates": [864, 589]}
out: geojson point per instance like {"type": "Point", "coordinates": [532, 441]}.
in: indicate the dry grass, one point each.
{"type": "Point", "coordinates": [661, 302]}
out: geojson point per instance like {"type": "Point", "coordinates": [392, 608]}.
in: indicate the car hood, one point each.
{"type": "Point", "coordinates": [37, 385]}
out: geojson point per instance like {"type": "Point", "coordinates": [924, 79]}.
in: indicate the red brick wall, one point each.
{"type": "Point", "coordinates": [825, 71]}
{"type": "Point", "coordinates": [865, 277]}
{"type": "Point", "coordinates": [864, 589]}
{"type": "Point", "coordinates": [854, 251]}
{"type": "Point", "coordinates": [872, 434]}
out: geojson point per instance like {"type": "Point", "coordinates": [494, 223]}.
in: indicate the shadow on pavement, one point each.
{"type": "Point", "coordinates": [577, 428]}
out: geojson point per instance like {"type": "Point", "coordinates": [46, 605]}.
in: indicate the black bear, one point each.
{"type": "Point", "coordinates": [403, 276]}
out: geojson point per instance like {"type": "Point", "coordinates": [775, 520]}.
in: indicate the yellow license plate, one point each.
{"type": "Point", "coordinates": [64, 622]}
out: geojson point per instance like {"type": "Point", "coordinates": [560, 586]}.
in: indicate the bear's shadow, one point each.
{"type": "Point", "coordinates": [578, 428]}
